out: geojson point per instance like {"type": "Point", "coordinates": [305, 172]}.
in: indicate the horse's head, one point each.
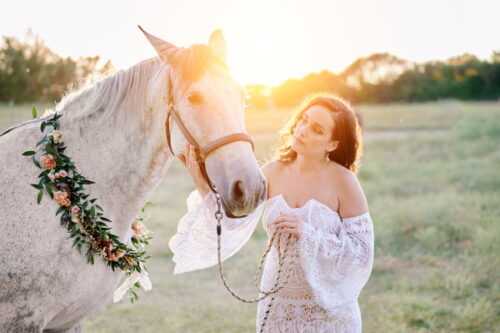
{"type": "Point", "coordinates": [211, 106]}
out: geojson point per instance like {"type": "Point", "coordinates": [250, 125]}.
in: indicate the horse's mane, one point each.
{"type": "Point", "coordinates": [110, 91]}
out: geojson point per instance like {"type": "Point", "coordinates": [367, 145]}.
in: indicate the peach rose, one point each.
{"type": "Point", "coordinates": [130, 261]}
{"type": "Point", "coordinates": [116, 255]}
{"type": "Point", "coordinates": [108, 247]}
{"type": "Point", "coordinates": [48, 161]}
{"type": "Point", "coordinates": [61, 197]}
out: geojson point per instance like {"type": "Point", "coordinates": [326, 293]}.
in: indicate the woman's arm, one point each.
{"type": "Point", "coordinates": [194, 246]}
{"type": "Point", "coordinates": [191, 164]}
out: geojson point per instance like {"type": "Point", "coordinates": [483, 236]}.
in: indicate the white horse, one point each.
{"type": "Point", "coordinates": [115, 133]}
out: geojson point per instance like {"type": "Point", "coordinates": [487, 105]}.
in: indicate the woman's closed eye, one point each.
{"type": "Point", "coordinates": [317, 129]}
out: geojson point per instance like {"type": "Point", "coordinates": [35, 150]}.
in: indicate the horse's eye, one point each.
{"type": "Point", "coordinates": [195, 98]}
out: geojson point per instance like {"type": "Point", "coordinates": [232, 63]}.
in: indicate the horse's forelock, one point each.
{"type": "Point", "coordinates": [194, 62]}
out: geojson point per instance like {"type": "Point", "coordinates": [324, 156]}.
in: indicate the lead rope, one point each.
{"type": "Point", "coordinates": [281, 260]}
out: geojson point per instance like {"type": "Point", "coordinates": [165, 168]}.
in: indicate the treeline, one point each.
{"type": "Point", "coordinates": [382, 77]}
{"type": "Point", "coordinates": [30, 71]}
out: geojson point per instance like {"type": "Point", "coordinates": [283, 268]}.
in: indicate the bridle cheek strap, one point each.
{"type": "Point", "coordinates": [201, 152]}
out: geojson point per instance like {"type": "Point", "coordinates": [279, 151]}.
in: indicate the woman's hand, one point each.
{"type": "Point", "coordinates": [288, 224]}
{"type": "Point", "coordinates": [190, 161]}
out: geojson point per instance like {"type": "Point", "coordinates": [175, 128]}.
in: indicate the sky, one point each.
{"type": "Point", "coordinates": [268, 41]}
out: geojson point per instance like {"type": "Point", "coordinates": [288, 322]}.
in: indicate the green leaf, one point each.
{"type": "Point", "coordinates": [34, 112]}
{"type": "Point", "coordinates": [49, 189]}
{"type": "Point", "coordinates": [92, 212]}
{"type": "Point", "coordinates": [44, 173]}
{"type": "Point", "coordinates": [36, 162]}
{"type": "Point", "coordinates": [75, 233]}
{"type": "Point", "coordinates": [93, 216]}
{"type": "Point", "coordinates": [60, 210]}
{"type": "Point", "coordinates": [50, 149]}
{"type": "Point", "coordinates": [37, 186]}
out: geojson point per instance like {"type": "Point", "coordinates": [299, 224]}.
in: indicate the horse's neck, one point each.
{"type": "Point", "coordinates": [120, 144]}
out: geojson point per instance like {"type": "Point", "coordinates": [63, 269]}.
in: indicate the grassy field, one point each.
{"type": "Point", "coordinates": [431, 173]}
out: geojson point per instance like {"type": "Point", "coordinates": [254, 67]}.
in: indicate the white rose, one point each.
{"type": "Point", "coordinates": [56, 136]}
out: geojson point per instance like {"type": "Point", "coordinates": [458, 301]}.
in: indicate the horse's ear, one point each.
{"type": "Point", "coordinates": [218, 44]}
{"type": "Point", "coordinates": [163, 48]}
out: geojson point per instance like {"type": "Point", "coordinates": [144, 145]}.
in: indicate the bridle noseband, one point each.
{"type": "Point", "coordinates": [201, 152]}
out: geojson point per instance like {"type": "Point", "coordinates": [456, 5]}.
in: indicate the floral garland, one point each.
{"type": "Point", "coordinates": [83, 217]}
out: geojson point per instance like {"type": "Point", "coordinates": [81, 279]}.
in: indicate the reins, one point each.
{"type": "Point", "coordinates": [201, 154]}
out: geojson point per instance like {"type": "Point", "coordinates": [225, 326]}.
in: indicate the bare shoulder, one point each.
{"type": "Point", "coordinates": [271, 171]}
{"type": "Point", "coordinates": [351, 195]}
{"type": "Point", "coordinates": [272, 168]}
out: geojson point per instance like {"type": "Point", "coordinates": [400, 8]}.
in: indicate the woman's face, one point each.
{"type": "Point", "coordinates": [313, 133]}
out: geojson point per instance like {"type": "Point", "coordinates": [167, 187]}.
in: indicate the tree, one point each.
{"type": "Point", "coordinates": [30, 71]}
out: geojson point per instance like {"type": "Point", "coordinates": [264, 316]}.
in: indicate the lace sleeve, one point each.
{"type": "Point", "coordinates": [337, 262]}
{"type": "Point", "coordinates": [194, 246]}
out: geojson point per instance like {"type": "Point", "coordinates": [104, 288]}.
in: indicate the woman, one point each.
{"type": "Point", "coordinates": [314, 196]}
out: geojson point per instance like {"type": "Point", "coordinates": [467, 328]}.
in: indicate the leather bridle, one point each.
{"type": "Point", "coordinates": [202, 152]}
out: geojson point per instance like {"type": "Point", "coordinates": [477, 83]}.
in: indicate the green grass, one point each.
{"type": "Point", "coordinates": [431, 173]}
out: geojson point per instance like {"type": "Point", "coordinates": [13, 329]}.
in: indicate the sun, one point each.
{"type": "Point", "coordinates": [263, 46]}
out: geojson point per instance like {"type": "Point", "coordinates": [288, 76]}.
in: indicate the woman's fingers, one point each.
{"type": "Point", "coordinates": [287, 225]}
{"type": "Point", "coordinates": [193, 167]}
{"type": "Point", "coordinates": [191, 156]}
{"type": "Point", "coordinates": [284, 217]}
{"type": "Point", "coordinates": [290, 231]}
{"type": "Point", "coordinates": [280, 221]}
{"type": "Point", "coordinates": [187, 154]}
{"type": "Point", "coordinates": [182, 158]}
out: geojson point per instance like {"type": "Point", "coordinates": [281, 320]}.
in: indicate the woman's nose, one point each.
{"type": "Point", "coordinates": [301, 131]}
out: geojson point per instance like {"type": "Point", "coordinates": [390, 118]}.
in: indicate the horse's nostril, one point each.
{"type": "Point", "coordinates": [238, 191]}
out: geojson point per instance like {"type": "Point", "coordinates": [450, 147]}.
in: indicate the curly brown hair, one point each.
{"type": "Point", "coordinates": [346, 131]}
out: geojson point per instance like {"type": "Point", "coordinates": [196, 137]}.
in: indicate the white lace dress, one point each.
{"type": "Point", "coordinates": [327, 267]}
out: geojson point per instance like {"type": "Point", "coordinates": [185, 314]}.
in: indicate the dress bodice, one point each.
{"type": "Point", "coordinates": [312, 212]}
{"type": "Point", "coordinates": [327, 267]}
